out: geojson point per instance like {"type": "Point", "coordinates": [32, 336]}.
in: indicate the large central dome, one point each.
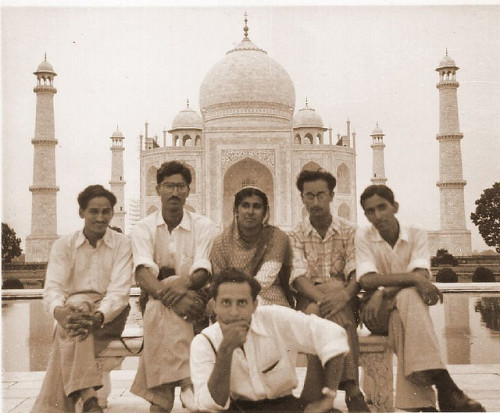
{"type": "Point", "coordinates": [247, 82]}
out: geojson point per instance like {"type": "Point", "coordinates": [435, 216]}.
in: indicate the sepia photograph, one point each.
{"type": "Point", "coordinates": [243, 206]}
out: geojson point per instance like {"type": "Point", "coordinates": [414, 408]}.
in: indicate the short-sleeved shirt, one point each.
{"type": "Point", "coordinates": [374, 254]}
{"type": "Point", "coordinates": [185, 249]}
{"type": "Point", "coordinates": [265, 367]}
{"type": "Point", "coordinates": [322, 258]}
{"type": "Point", "coordinates": [75, 266]}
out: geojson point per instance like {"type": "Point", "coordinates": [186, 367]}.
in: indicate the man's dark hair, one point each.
{"type": "Point", "coordinates": [94, 191]}
{"type": "Point", "coordinates": [382, 191]}
{"type": "Point", "coordinates": [483, 275]}
{"type": "Point", "coordinates": [446, 275]}
{"type": "Point", "coordinates": [234, 275]}
{"type": "Point", "coordinates": [173, 168]}
{"type": "Point", "coordinates": [310, 176]}
{"type": "Point", "coordinates": [250, 191]}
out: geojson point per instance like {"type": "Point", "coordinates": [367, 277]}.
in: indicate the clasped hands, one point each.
{"type": "Point", "coordinates": [77, 321]}
{"type": "Point", "coordinates": [176, 295]}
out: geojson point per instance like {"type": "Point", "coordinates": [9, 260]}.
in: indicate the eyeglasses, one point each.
{"type": "Point", "coordinates": [320, 195]}
{"type": "Point", "coordinates": [169, 186]}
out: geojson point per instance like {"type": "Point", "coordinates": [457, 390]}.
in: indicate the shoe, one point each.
{"type": "Point", "coordinates": [92, 406]}
{"type": "Point", "coordinates": [458, 401]}
{"type": "Point", "coordinates": [154, 408]}
{"type": "Point", "coordinates": [356, 403]}
{"type": "Point", "coordinates": [187, 398]}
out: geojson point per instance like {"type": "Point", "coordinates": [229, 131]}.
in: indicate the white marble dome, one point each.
{"type": "Point", "coordinates": [247, 78]}
{"type": "Point", "coordinates": [377, 131]}
{"type": "Point", "coordinates": [307, 118]}
{"type": "Point", "coordinates": [187, 119]}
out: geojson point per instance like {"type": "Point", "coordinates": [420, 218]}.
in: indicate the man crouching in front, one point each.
{"type": "Point", "coordinates": [246, 361]}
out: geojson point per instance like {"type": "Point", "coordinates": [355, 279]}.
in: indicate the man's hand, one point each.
{"type": "Point", "coordinates": [371, 310]}
{"type": "Point", "coordinates": [324, 404]}
{"type": "Point", "coordinates": [174, 289]}
{"type": "Point", "coordinates": [73, 321]}
{"type": "Point", "coordinates": [190, 306]}
{"type": "Point", "coordinates": [234, 334]}
{"type": "Point", "coordinates": [333, 302]}
{"type": "Point", "coordinates": [429, 292]}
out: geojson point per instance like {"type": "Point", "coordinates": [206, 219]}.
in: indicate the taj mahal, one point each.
{"type": "Point", "coordinates": [250, 133]}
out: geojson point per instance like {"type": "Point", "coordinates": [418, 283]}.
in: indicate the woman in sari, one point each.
{"type": "Point", "coordinates": [255, 247]}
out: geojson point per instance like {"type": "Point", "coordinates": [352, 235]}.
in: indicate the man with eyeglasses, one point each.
{"type": "Point", "coordinates": [324, 277]}
{"type": "Point", "coordinates": [171, 251]}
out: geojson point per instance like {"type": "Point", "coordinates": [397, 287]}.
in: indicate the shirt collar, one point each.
{"type": "Point", "coordinates": [186, 222]}
{"type": "Point", "coordinates": [107, 239]}
{"type": "Point", "coordinates": [334, 225]}
{"type": "Point", "coordinates": [403, 233]}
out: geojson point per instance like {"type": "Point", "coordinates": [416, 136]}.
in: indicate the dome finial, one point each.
{"type": "Point", "coordinates": [245, 29]}
{"type": "Point", "coordinates": [446, 51]}
{"type": "Point", "coordinates": [187, 102]}
{"type": "Point", "coordinates": [307, 103]}
{"type": "Point", "coordinates": [45, 57]}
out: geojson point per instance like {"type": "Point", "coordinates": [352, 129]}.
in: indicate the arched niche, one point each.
{"type": "Point", "coordinates": [151, 209]}
{"type": "Point", "coordinates": [343, 179]}
{"type": "Point", "coordinates": [235, 177]}
{"type": "Point", "coordinates": [151, 181]}
{"type": "Point", "coordinates": [311, 166]}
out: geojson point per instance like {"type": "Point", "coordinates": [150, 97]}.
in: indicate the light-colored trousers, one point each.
{"type": "Point", "coordinates": [412, 338]}
{"type": "Point", "coordinates": [72, 365]}
{"type": "Point", "coordinates": [164, 362]}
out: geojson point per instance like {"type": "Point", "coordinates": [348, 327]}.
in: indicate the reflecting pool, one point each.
{"type": "Point", "coordinates": [467, 326]}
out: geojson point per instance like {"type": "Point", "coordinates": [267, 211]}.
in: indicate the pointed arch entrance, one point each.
{"type": "Point", "coordinates": [246, 172]}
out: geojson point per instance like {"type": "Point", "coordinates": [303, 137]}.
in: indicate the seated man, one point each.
{"type": "Point", "coordinates": [246, 361]}
{"type": "Point", "coordinates": [87, 285]}
{"type": "Point", "coordinates": [392, 260]}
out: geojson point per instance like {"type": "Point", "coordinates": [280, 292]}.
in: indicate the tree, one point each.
{"type": "Point", "coordinates": [10, 244]}
{"type": "Point", "coordinates": [487, 216]}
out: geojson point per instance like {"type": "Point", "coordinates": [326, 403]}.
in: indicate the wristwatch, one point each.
{"type": "Point", "coordinates": [326, 391]}
{"type": "Point", "coordinates": [99, 318]}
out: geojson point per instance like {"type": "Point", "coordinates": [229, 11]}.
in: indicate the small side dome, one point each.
{"type": "Point", "coordinates": [447, 62]}
{"type": "Point", "coordinates": [117, 134]}
{"type": "Point", "coordinates": [187, 119]}
{"type": "Point", "coordinates": [307, 118]}
{"type": "Point", "coordinates": [45, 67]}
{"type": "Point", "coordinates": [377, 131]}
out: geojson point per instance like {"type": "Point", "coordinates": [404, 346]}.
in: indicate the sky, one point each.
{"type": "Point", "coordinates": [122, 66]}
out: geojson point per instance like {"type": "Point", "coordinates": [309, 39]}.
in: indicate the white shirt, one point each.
{"type": "Point", "coordinates": [266, 368]}
{"type": "Point", "coordinates": [186, 248]}
{"type": "Point", "coordinates": [75, 266]}
{"type": "Point", "coordinates": [374, 254]}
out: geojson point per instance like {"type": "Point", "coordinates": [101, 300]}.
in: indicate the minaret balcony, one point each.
{"type": "Point", "coordinates": [44, 88]}
{"type": "Point", "coordinates": [451, 184]}
{"type": "Point", "coordinates": [43, 188]}
{"type": "Point", "coordinates": [449, 136]}
{"type": "Point", "coordinates": [44, 141]}
{"type": "Point", "coordinates": [447, 84]}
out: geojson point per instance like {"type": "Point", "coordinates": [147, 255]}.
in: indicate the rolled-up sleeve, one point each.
{"type": "Point", "coordinates": [420, 257]}
{"type": "Point", "coordinates": [57, 273]}
{"type": "Point", "coordinates": [365, 260]}
{"type": "Point", "coordinates": [310, 334]}
{"type": "Point", "coordinates": [117, 294]}
{"type": "Point", "coordinates": [143, 245]}
{"type": "Point", "coordinates": [204, 238]}
{"type": "Point", "coordinates": [202, 361]}
{"type": "Point", "coordinates": [298, 261]}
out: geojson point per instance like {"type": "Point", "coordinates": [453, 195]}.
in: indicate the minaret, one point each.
{"type": "Point", "coordinates": [117, 183]}
{"type": "Point", "coordinates": [454, 236]}
{"type": "Point", "coordinates": [44, 188]}
{"type": "Point", "coordinates": [378, 168]}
